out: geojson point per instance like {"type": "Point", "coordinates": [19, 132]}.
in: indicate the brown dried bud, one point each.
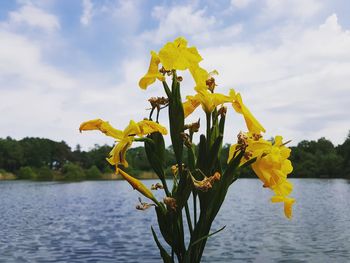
{"type": "Point", "coordinates": [248, 155]}
{"type": "Point", "coordinates": [164, 71]}
{"type": "Point", "coordinates": [193, 127]}
{"type": "Point", "coordinates": [157, 102]}
{"type": "Point", "coordinates": [170, 203]}
{"type": "Point", "coordinates": [211, 84]}
{"type": "Point", "coordinates": [186, 138]}
{"type": "Point", "coordinates": [242, 140]}
{"type": "Point", "coordinates": [157, 186]}
{"type": "Point", "coordinates": [143, 206]}
{"type": "Point", "coordinates": [256, 136]}
{"type": "Point", "coordinates": [222, 111]}
{"type": "Point", "coordinates": [206, 183]}
{"type": "Point", "coordinates": [179, 78]}
{"type": "Point", "coordinates": [175, 169]}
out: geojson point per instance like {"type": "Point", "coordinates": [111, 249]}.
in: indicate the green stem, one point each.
{"type": "Point", "coordinates": [188, 217]}
{"type": "Point", "coordinates": [208, 115]}
{"type": "Point", "coordinates": [194, 209]}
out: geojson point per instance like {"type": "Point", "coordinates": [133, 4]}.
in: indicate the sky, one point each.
{"type": "Point", "coordinates": [63, 62]}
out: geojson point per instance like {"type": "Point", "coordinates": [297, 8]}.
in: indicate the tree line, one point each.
{"type": "Point", "coordinates": [45, 159]}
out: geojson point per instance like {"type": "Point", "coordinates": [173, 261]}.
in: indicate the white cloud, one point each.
{"type": "Point", "coordinates": [293, 78]}
{"type": "Point", "coordinates": [29, 15]}
{"type": "Point", "coordinates": [179, 20]}
{"type": "Point", "coordinates": [87, 12]}
{"type": "Point", "coordinates": [298, 88]}
{"type": "Point", "coordinates": [290, 8]}
{"type": "Point", "coordinates": [240, 3]}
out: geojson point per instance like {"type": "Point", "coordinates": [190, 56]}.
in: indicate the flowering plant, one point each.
{"type": "Point", "coordinates": [201, 174]}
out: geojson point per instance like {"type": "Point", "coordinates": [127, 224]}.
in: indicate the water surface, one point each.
{"type": "Point", "coordinates": [97, 222]}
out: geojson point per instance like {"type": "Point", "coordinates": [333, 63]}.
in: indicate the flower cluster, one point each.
{"type": "Point", "coordinates": [201, 175]}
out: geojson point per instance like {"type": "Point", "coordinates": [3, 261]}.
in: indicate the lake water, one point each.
{"type": "Point", "coordinates": [98, 222]}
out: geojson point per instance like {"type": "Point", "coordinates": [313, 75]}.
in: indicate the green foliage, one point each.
{"type": "Point", "coordinates": [317, 159]}
{"type": "Point", "coordinates": [93, 173]}
{"type": "Point", "coordinates": [38, 159]}
{"type": "Point", "coordinates": [73, 172]}
{"type": "Point", "coordinates": [43, 173]}
{"type": "Point", "coordinates": [26, 173]}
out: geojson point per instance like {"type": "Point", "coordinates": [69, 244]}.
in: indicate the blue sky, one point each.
{"type": "Point", "coordinates": [63, 62]}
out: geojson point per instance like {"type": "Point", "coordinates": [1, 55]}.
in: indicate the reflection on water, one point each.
{"type": "Point", "coordinates": [97, 222]}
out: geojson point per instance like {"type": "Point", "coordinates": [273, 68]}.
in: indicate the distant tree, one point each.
{"type": "Point", "coordinates": [43, 173]}
{"type": "Point", "coordinates": [93, 173]}
{"type": "Point", "coordinates": [73, 172]}
{"type": "Point", "coordinates": [27, 173]}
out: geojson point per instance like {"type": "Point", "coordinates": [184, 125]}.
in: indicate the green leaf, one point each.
{"type": "Point", "coordinates": [183, 190]}
{"type": "Point", "coordinates": [213, 154]}
{"type": "Point", "coordinates": [191, 158]}
{"type": "Point", "coordinates": [176, 119]}
{"type": "Point", "coordinates": [165, 256]}
{"type": "Point", "coordinates": [164, 218]}
{"type": "Point", "coordinates": [166, 89]}
{"type": "Point", "coordinates": [155, 152]}
{"type": "Point", "coordinates": [207, 236]}
{"type": "Point", "coordinates": [202, 153]}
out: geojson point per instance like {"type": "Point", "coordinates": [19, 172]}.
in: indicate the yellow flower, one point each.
{"type": "Point", "coordinates": [124, 138]}
{"type": "Point", "coordinates": [272, 168]}
{"type": "Point", "coordinates": [138, 185]}
{"type": "Point", "coordinates": [252, 123]}
{"type": "Point", "coordinates": [153, 72]}
{"type": "Point", "coordinates": [176, 55]}
{"type": "Point", "coordinates": [288, 202]}
{"type": "Point", "coordinates": [208, 100]}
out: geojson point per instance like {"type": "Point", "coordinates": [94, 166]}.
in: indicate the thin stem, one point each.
{"type": "Point", "coordinates": [188, 217]}
{"type": "Point", "coordinates": [158, 110]}
{"type": "Point", "coordinates": [151, 113]}
{"type": "Point", "coordinates": [194, 209]}
{"type": "Point", "coordinates": [208, 130]}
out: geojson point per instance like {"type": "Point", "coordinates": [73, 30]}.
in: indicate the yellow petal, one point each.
{"type": "Point", "coordinates": [148, 127]}
{"type": "Point", "coordinates": [190, 105]}
{"type": "Point", "coordinates": [219, 99]}
{"type": "Point", "coordinates": [176, 55]}
{"type": "Point", "coordinates": [284, 189]}
{"type": "Point", "coordinates": [288, 207]}
{"type": "Point", "coordinates": [200, 77]}
{"type": "Point", "coordinates": [252, 123]}
{"type": "Point", "coordinates": [137, 185]}
{"type": "Point", "coordinates": [153, 72]}
{"type": "Point", "coordinates": [118, 154]}
{"type": "Point", "coordinates": [132, 129]}
{"type": "Point", "coordinates": [102, 126]}
{"type": "Point", "coordinates": [288, 202]}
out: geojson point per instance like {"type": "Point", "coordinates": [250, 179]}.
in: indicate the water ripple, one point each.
{"type": "Point", "coordinates": [97, 222]}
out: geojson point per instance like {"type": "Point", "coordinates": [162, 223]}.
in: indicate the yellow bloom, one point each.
{"type": "Point", "coordinates": [288, 202]}
{"type": "Point", "coordinates": [272, 168]}
{"type": "Point", "coordinates": [252, 123]}
{"type": "Point", "coordinates": [153, 72]}
{"type": "Point", "coordinates": [200, 76]}
{"type": "Point", "coordinates": [208, 100]}
{"type": "Point", "coordinates": [138, 185]}
{"type": "Point", "coordinates": [176, 55]}
{"type": "Point", "coordinates": [124, 138]}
